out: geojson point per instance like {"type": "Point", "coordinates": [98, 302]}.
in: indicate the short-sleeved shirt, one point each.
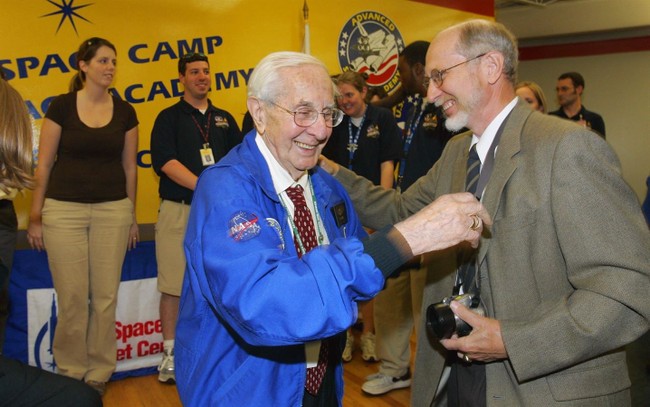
{"type": "Point", "coordinates": [594, 120]}
{"type": "Point", "coordinates": [88, 166]}
{"type": "Point", "coordinates": [178, 134]}
{"type": "Point", "coordinates": [379, 141]}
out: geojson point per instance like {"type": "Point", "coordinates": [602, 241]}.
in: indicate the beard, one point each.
{"type": "Point", "coordinates": [457, 122]}
{"type": "Point", "coordinates": [461, 119]}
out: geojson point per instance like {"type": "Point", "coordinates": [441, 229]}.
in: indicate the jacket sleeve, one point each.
{"type": "Point", "coordinates": [603, 244]}
{"type": "Point", "coordinates": [242, 258]}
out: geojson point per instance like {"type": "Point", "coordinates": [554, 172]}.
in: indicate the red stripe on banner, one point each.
{"type": "Point", "coordinates": [585, 48]}
{"type": "Point", "coordinates": [482, 7]}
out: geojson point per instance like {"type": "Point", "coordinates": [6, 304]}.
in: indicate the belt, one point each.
{"type": "Point", "coordinates": [180, 201]}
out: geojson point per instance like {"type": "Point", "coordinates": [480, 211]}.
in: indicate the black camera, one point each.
{"type": "Point", "coordinates": [442, 321]}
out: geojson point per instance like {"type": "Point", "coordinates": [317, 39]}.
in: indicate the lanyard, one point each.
{"type": "Point", "coordinates": [353, 139]}
{"type": "Point", "coordinates": [205, 134]}
{"type": "Point", "coordinates": [410, 132]}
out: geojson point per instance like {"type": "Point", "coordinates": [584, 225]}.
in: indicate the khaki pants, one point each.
{"type": "Point", "coordinates": [170, 252]}
{"type": "Point", "coordinates": [86, 245]}
{"type": "Point", "coordinates": [397, 313]}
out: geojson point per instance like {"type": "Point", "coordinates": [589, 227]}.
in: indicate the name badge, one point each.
{"type": "Point", "coordinates": [206, 155]}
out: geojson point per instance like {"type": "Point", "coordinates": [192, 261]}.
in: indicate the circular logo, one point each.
{"type": "Point", "coordinates": [370, 42]}
{"type": "Point", "coordinates": [243, 226]}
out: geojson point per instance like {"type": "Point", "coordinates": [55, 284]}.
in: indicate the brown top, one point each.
{"type": "Point", "coordinates": [88, 166]}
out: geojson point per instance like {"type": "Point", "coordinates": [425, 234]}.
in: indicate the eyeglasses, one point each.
{"type": "Point", "coordinates": [306, 116]}
{"type": "Point", "coordinates": [191, 55]}
{"type": "Point", "coordinates": [437, 76]}
{"type": "Point", "coordinates": [189, 58]}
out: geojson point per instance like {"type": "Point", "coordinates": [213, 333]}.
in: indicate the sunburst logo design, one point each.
{"type": "Point", "coordinates": [67, 11]}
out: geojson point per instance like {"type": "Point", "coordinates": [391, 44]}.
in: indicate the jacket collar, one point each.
{"type": "Point", "coordinates": [506, 161]}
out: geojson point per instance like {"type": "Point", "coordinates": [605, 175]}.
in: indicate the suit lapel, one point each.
{"type": "Point", "coordinates": [504, 165]}
{"type": "Point", "coordinates": [459, 170]}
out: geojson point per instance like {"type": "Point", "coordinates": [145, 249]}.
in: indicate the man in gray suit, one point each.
{"type": "Point", "coordinates": [564, 271]}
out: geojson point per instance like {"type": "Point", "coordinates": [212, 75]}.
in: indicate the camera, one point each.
{"type": "Point", "coordinates": [442, 321]}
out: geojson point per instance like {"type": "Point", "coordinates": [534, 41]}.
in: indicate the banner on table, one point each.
{"type": "Point", "coordinates": [33, 319]}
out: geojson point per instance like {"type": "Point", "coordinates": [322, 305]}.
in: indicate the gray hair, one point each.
{"type": "Point", "coordinates": [480, 36]}
{"type": "Point", "coordinates": [266, 83]}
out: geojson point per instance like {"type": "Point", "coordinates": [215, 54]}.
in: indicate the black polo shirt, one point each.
{"type": "Point", "coordinates": [594, 120]}
{"type": "Point", "coordinates": [379, 141]}
{"type": "Point", "coordinates": [426, 147]}
{"type": "Point", "coordinates": [177, 134]}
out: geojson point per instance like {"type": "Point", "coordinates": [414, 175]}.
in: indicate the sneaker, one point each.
{"type": "Point", "coordinates": [368, 347]}
{"type": "Point", "coordinates": [349, 343]}
{"type": "Point", "coordinates": [373, 376]}
{"type": "Point", "coordinates": [384, 384]}
{"type": "Point", "coordinates": [166, 368]}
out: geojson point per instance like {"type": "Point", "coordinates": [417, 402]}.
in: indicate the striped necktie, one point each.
{"type": "Point", "coordinates": [468, 268]}
{"type": "Point", "coordinates": [473, 171]}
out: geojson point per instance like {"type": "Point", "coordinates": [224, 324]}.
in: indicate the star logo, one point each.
{"type": "Point", "coordinates": [68, 11]}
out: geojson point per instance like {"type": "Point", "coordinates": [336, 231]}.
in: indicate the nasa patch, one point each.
{"type": "Point", "coordinates": [370, 42]}
{"type": "Point", "coordinates": [243, 226]}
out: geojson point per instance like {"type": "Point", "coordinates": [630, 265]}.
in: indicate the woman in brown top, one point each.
{"type": "Point", "coordinates": [83, 211]}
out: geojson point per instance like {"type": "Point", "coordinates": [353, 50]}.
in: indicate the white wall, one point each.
{"type": "Point", "coordinates": [617, 86]}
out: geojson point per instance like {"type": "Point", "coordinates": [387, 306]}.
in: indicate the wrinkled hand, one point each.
{"type": "Point", "coordinates": [484, 343]}
{"type": "Point", "coordinates": [445, 222]}
{"type": "Point", "coordinates": [134, 236]}
{"type": "Point", "coordinates": [35, 235]}
{"type": "Point", "coordinates": [328, 165]}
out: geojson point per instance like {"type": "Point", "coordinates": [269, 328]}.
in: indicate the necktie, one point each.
{"type": "Point", "coordinates": [305, 240]}
{"type": "Point", "coordinates": [473, 170]}
{"type": "Point", "coordinates": [468, 269]}
{"type": "Point", "coordinates": [303, 221]}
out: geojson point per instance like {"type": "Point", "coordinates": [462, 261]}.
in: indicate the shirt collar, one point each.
{"type": "Point", "coordinates": [281, 178]}
{"type": "Point", "coordinates": [484, 142]}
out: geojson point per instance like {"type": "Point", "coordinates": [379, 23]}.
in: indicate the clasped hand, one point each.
{"type": "Point", "coordinates": [447, 221]}
{"type": "Point", "coordinates": [484, 343]}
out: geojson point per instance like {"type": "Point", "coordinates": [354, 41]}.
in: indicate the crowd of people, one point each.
{"type": "Point", "coordinates": [498, 231]}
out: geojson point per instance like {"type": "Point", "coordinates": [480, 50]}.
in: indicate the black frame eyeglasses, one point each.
{"type": "Point", "coordinates": [438, 76]}
{"type": "Point", "coordinates": [305, 116]}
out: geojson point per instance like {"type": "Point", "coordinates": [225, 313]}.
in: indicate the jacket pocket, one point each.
{"type": "Point", "coordinates": [605, 375]}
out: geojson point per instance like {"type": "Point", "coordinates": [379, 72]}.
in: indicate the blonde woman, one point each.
{"type": "Point", "coordinates": [532, 94]}
{"type": "Point", "coordinates": [369, 142]}
{"type": "Point", "coordinates": [15, 174]}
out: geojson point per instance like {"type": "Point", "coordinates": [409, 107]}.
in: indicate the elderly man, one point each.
{"type": "Point", "coordinates": [277, 256]}
{"type": "Point", "coordinates": [563, 273]}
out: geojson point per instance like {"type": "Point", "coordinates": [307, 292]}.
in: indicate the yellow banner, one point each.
{"type": "Point", "coordinates": [40, 38]}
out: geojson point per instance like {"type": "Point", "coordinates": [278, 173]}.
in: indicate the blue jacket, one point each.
{"type": "Point", "coordinates": [248, 302]}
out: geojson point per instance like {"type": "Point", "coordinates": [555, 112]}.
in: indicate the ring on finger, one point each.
{"type": "Point", "coordinates": [476, 222]}
{"type": "Point", "coordinates": [466, 358]}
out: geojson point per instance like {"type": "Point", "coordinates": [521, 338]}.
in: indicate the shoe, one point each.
{"type": "Point", "coordinates": [349, 344]}
{"type": "Point", "coordinates": [368, 347]}
{"type": "Point", "coordinates": [383, 384]}
{"type": "Point", "coordinates": [100, 387]}
{"type": "Point", "coordinates": [166, 368]}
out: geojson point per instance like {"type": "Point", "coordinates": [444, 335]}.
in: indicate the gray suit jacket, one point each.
{"type": "Point", "coordinates": [565, 267]}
